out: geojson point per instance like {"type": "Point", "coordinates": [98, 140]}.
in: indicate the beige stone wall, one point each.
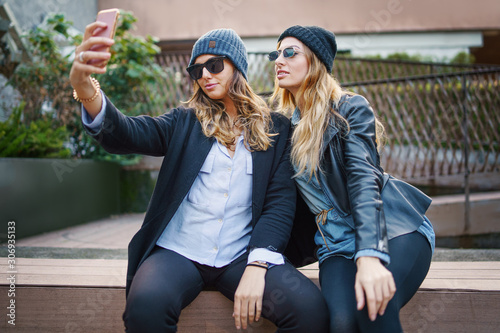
{"type": "Point", "coordinates": [189, 19]}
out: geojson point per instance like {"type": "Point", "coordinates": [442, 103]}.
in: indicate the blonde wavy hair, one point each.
{"type": "Point", "coordinates": [319, 95]}
{"type": "Point", "coordinates": [254, 116]}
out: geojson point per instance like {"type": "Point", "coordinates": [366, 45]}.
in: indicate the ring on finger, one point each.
{"type": "Point", "coordinates": [80, 57]}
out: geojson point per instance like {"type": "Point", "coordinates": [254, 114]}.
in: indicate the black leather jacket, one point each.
{"type": "Point", "coordinates": [379, 206]}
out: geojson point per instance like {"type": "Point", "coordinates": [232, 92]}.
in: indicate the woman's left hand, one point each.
{"type": "Point", "coordinates": [375, 282]}
{"type": "Point", "coordinates": [248, 296]}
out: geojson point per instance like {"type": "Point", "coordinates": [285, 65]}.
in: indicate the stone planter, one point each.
{"type": "Point", "coordinates": [42, 195]}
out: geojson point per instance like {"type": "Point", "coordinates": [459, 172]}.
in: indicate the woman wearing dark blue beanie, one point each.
{"type": "Point", "coordinates": [222, 209]}
{"type": "Point", "coordinates": [371, 237]}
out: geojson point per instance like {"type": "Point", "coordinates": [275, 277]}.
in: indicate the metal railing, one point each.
{"type": "Point", "coordinates": [359, 69]}
{"type": "Point", "coordinates": [438, 125]}
{"type": "Point", "coordinates": [440, 119]}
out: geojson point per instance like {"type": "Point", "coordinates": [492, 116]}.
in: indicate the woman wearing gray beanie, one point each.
{"type": "Point", "coordinates": [367, 228]}
{"type": "Point", "coordinates": [222, 209]}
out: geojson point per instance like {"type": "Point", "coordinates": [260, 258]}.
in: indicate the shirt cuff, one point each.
{"type": "Point", "coordinates": [94, 125]}
{"type": "Point", "coordinates": [261, 254]}
{"type": "Point", "coordinates": [384, 257]}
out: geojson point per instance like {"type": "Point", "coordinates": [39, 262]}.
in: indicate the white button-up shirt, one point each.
{"type": "Point", "coordinates": [212, 225]}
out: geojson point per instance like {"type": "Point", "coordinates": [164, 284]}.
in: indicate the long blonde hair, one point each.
{"type": "Point", "coordinates": [320, 94]}
{"type": "Point", "coordinates": [253, 115]}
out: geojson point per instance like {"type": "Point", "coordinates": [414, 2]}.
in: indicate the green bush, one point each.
{"type": "Point", "coordinates": [38, 139]}
{"type": "Point", "coordinates": [130, 82]}
{"type": "Point", "coordinates": [45, 80]}
{"type": "Point", "coordinates": [463, 58]}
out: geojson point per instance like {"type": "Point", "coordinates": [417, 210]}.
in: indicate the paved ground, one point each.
{"type": "Point", "coordinates": [108, 239]}
{"type": "Point", "coordinates": [102, 239]}
{"type": "Point", "coordinates": [111, 233]}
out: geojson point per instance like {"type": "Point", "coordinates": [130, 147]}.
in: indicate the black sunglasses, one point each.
{"type": "Point", "coordinates": [287, 53]}
{"type": "Point", "coordinates": [213, 65]}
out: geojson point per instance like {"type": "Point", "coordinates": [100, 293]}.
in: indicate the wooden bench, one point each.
{"type": "Point", "coordinates": [88, 295]}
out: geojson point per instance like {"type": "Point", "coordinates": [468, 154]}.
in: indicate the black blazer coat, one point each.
{"type": "Point", "coordinates": [177, 135]}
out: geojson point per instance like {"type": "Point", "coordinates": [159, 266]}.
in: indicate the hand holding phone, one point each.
{"type": "Point", "coordinates": [110, 17]}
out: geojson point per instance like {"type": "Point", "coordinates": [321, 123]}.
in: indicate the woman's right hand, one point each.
{"type": "Point", "coordinates": [375, 282]}
{"type": "Point", "coordinates": [248, 297]}
{"type": "Point", "coordinates": [81, 70]}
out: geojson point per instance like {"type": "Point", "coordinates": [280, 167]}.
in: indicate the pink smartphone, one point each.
{"type": "Point", "coordinates": [110, 17]}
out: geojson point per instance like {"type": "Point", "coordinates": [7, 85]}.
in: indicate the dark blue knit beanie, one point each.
{"type": "Point", "coordinates": [321, 42]}
{"type": "Point", "coordinates": [222, 42]}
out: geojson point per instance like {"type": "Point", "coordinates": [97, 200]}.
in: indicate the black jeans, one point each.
{"type": "Point", "coordinates": [167, 282]}
{"type": "Point", "coordinates": [410, 260]}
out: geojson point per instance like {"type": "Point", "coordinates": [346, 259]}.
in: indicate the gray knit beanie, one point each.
{"type": "Point", "coordinates": [222, 42]}
{"type": "Point", "coordinates": [321, 42]}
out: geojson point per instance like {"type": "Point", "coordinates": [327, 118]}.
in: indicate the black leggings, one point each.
{"type": "Point", "coordinates": [167, 282]}
{"type": "Point", "coordinates": [410, 260]}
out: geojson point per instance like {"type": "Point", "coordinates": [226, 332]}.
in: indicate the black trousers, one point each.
{"type": "Point", "coordinates": [410, 261]}
{"type": "Point", "coordinates": [167, 282]}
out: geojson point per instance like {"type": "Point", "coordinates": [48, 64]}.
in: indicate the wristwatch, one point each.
{"type": "Point", "coordinates": [263, 263]}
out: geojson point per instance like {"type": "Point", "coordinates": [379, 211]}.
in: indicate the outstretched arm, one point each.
{"type": "Point", "coordinates": [81, 70]}
{"type": "Point", "coordinates": [115, 132]}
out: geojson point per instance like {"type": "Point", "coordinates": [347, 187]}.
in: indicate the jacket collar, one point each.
{"type": "Point", "coordinates": [330, 132]}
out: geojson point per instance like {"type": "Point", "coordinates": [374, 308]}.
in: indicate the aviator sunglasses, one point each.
{"type": "Point", "coordinates": [287, 53]}
{"type": "Point", "coordinates": [214, 65]}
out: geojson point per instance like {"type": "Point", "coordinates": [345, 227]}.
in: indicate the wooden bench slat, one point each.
{"type": "Point", "coordinates": [56, 280]}
{"type": "Point", "coordinates": [105, 272]}
{"type": "Point", "coordinates": [20, 262]}
{"type": "Point", "coordinates": [72, 270]}
{"type": "Point", "coordinates": [467, 265]}
{"type": "Point", "coordinates": [466, 285]}
{"type": "Point", "coordinates": [464, 274]}
{"type": "Point", "coordinates": [67, 272]}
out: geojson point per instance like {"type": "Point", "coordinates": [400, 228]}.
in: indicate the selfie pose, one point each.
{"type": "Point", "coordinates": [373, 241]}
{"type": "Point", "coordinates": [223, 206]}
